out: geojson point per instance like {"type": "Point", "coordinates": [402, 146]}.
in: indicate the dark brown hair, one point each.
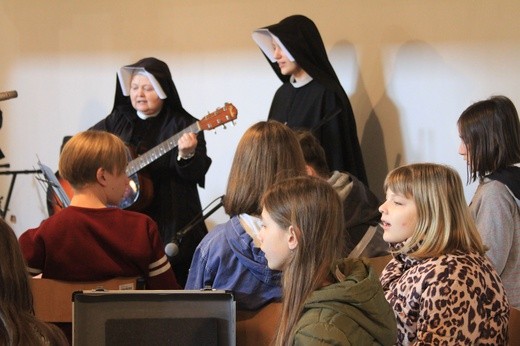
{"type": "Point", "coordinates": [490, 129]}
{"type": "Point", "coordinates": [313, 153]}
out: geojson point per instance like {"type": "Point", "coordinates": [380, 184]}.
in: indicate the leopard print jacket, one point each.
{"type": "Point", "coordinates": [454, 299]}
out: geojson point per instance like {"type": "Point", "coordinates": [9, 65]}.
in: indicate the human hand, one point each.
{"type": "Point", "coordinates": [187, 144]}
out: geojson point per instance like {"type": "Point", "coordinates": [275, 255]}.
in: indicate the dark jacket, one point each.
{"type": "Point", "coordinates": [360, 209]}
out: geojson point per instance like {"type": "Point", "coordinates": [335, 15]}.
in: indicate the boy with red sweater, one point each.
{"type": "Point", "coordinates": [90, 240]}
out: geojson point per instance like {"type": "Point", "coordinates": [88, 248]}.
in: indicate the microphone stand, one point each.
{"type": "Point", "coordinates": [172, 248]}
{"type": "Point", "coordinates": [199, 219]}
{"type": "Point", "coordinates": [326, 119]}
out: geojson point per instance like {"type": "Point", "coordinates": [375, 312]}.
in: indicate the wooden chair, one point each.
{"type": "Point", "coordinates": [514, 327]}
{"type": "Point", "coordinates": [52, 299]}
{"type": "Point", "coordinates": [379, 263]}
{"type": "Point", "coordinates": [258, 328]}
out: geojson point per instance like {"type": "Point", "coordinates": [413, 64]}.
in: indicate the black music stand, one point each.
{"type": "Point", "coordinates": [13, 179]}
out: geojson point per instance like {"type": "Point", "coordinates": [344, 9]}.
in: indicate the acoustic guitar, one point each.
{"type": "Point", "coordinates": [140, 193]}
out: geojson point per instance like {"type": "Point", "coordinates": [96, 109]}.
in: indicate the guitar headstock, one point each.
{"type": "Point", "coordinates": [219, 117]}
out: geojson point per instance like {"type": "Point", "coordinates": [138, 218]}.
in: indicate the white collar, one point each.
{"type": "Point", "coordinates": [146, 116]}
{"type": "Point", "coordinates": [252, 226]}
{"type": "Point", "coordinates": [306, 79]}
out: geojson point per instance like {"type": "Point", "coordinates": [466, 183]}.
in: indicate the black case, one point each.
{"type": "Point", "coordinates": [137, 317]}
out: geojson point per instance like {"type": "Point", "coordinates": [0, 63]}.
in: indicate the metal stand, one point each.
{"type": "Point", "coordinates": [14, 174]}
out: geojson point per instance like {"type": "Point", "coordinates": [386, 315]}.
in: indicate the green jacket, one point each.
{"type": "Point", "coordinates": [352, 311]}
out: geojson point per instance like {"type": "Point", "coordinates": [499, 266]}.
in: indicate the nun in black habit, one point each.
{"type": "Point", "coordinates": [311, 96]}
{"type": "Point", "coordinates": [174, 175]}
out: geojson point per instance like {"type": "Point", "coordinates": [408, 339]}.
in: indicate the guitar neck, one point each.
{"type": "Point", "coordinates": [159, 150]}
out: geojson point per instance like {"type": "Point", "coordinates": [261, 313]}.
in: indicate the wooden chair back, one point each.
{"type": "Point", "coordinates": [258, 328]}
{"type": "Point", "coordinates": [52, 299]}
{"type": "Point", "coordinates": [514, 327]}
{"type": "Point", "coordinates": [379, 263]}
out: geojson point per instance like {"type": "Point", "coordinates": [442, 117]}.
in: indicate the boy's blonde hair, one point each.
{"type": "Point", "coordinates": [87, 151]}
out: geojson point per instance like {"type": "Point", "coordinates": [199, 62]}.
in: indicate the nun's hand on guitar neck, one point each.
{"type": "Point", "coordinates": [187, 144]}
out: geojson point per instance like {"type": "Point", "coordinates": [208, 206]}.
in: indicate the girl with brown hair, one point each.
{"type": "Point", "coordinates": [326, 300]}
{"type": "Point", "coordinates": [18, 325]}
{"type": "Point", "coordinates": [229, 256]}
{"type": "Point", "coordinates": [490, 144]}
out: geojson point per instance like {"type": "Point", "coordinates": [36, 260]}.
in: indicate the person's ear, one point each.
{"type": "Point", "coordinates": [292, 239]}
{"type": "Point", "coordinates": [310, 171]}
{"type": "Point", "coordinates": [101, 176]}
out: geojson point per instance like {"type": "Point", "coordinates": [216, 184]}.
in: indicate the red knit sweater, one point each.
{"type": "Point", "coordinates": [84, 244]}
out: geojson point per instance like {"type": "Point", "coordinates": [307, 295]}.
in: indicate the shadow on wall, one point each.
{"type": "Point", "coordinates": [368, 116]}
{"type": "Point", "coordinates": [373, 146]}
{"type": "Point", "coordinates": [428, 91]}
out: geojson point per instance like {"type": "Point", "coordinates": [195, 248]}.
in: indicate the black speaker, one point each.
{"type": "Point", "coordinates": [138, 317]}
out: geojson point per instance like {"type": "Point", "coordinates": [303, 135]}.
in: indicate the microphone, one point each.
{"type": "Point", "coordinates": [172, 248]}
{"type": "Point", "coordinates": [6, 95]}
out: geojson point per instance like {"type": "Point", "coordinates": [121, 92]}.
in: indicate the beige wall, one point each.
{"type": "Point", "coordinates": [410, 68]}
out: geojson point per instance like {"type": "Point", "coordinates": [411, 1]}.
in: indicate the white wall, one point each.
{"type": "Point", "coordinates": [409, 67]}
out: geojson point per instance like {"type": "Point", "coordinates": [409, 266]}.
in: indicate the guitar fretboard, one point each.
{"type": "Point", "coordinates": [159, 150]}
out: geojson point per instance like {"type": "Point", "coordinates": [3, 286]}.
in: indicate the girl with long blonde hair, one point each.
{"type": "Point", "coordinates": [442, 288]}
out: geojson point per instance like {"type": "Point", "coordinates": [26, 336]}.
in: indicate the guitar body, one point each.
{"type": "Point", "coordinates": [140, 192]}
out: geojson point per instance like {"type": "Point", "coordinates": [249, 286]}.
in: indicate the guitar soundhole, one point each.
{"type": "Point", "coordinates": [131, 193]}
